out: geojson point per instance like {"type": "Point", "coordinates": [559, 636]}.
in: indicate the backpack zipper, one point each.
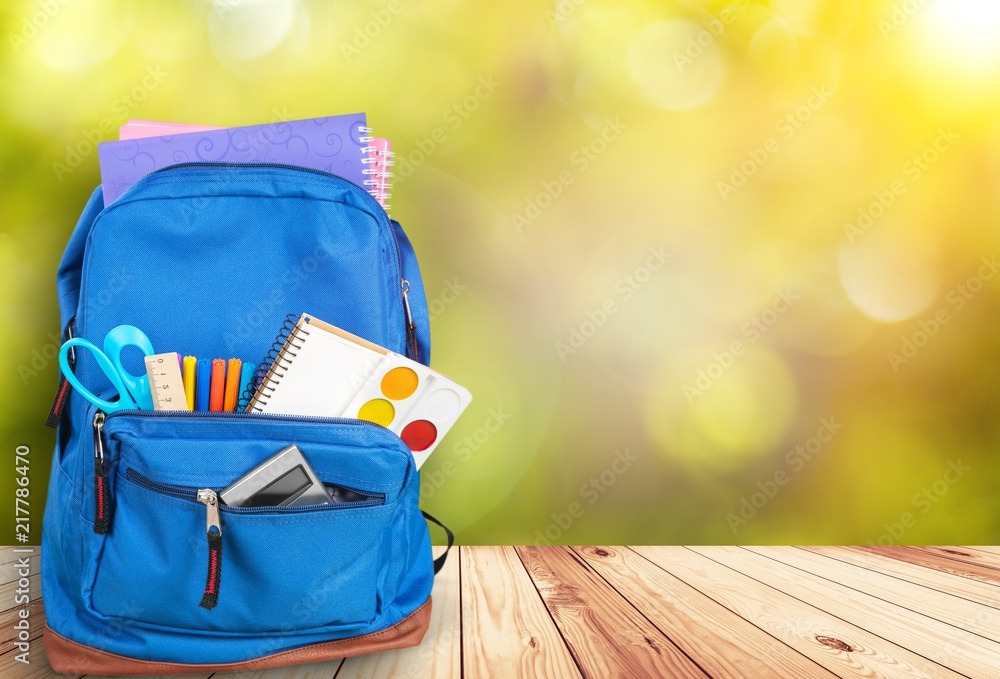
{"type": "Point", "coordinates": [411, 327]}
{"type": "Point", "coordinates": [102, 492]}
{"type": "Point", "coordinates": [210, 597]}
{"type": "Point", "coordinates": [63, 392]}
{"type": "Point", "coordinates": [102, 495]}
{"type": "Point", "coordinates": [195, 494]}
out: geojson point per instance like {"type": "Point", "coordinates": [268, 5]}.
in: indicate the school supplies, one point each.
{"type": "Point", "coordinates": [133, 390]}
{"type": "Point", "coordinates": [317, 370]}
{"type": "Point", "coordinates": [136, 488]}
{"type": "Point", "coordinates": [165, 382]}
{"type": "Point", "coordinates": [283, 480]}
{"type": "Point", "coordinates": [140, 129]}
{"type": "Point", "coordinates": [203, 384]}
{"type": "Point", "coordinates": [412, 400]}
{"type": "Point", "coordinates": [377, 173]}
{"type": "Point", "coordinates": [190, 371]}
{"type": "Point", "coordinates": [322, 370]}
{"type": "Point", "coordinates": [336, 144]}
{"type": "Point", "coordinates": [246, 378]}
{"type": "Point", "coordinates": [232, 385]}
{"type": "Point", "coordinates": [217, 389]}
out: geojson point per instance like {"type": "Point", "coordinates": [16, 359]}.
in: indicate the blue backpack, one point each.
{"type": "Point", "coordinates": [208, 259]}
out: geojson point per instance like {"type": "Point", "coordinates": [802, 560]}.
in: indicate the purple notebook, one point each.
{"type": "Point", "coordinates": [335, 144]}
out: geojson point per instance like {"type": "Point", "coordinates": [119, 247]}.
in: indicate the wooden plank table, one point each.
{"type": "Point", "coordinates": [694, 612]}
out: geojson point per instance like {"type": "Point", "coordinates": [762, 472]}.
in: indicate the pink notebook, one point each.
{"type": "Point", "coordinates": [139, 129]}
{"type": "Point", "coordinates": [378, 170]}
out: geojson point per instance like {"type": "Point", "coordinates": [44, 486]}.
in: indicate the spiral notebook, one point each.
{"type": "Point", "coordinates": [317, 370]}
{"type": "Point", "coordinates": [341, 145]}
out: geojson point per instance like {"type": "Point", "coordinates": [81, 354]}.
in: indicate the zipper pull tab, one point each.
{"type": "Point", "coordinates": [102, 495]}
{"type": "Point", "coordinates": [213, 526]}
{"type": "Point", "coordinates": [208, 498]}
{"type": "Point", "coordinates": [411, 327]}
{"type": "Point", "coordinates": [62, 393]}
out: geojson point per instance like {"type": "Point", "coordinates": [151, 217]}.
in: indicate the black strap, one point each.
{"type": "Point", "coordinates": [439, 562]}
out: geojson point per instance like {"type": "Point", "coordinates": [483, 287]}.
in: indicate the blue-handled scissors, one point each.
{"type": "Point", "coordinates": [133, 390]}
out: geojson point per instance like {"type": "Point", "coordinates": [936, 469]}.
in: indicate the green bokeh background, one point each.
{"type": "Point", "coordinates": [820, 179]}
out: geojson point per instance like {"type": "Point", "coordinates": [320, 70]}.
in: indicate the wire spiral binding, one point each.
{"type": "Point", "coordinates": [275, 364]}
{"type": "Point", "coordinates": [379, 162]}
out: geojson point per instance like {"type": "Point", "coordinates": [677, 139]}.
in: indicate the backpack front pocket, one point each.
{"type": "Point", "coordinates": [175, 557]}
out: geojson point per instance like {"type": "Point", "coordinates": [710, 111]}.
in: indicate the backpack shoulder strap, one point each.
{"type": "Point", "coordinates": [439, 562]}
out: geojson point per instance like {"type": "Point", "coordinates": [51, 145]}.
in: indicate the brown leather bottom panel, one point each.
{"type": "Point", "coordinates": [69, 657]}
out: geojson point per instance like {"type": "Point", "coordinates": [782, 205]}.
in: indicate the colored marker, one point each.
{"type": "Point", "coordinates": [203, 383]}
{"type": "Point", "coordinates": [246, 377]}
{"type": "Point", "coordinates": [190, 369]}
{"type": "Point", "coordinates": [232, 385]}
{"type": "Point", "coordinates": [217, 390]}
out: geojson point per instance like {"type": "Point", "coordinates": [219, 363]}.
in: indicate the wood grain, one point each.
{"type": "Point", "coordinates": [37, 668]}
{"type": "Point", "coordinates": [8, 555]}
{"type": "Point", "coordinates": [724, 644]}
{"type": "Point", "coordinates": [607, 635]}
{"type": "Point", "coordinates": [506, 629]}
{"type": "Point", "coordinates": [989, 549]}
{"type": "Point", "coordinates": [979, 592]}
{"type": "Point", "coordinates": [962, 555]}
{"type": "Point", "coordinates": [968, 615]}
{"type": "Point", "coordinates": [9, 589]}
{"type": "Point", "coordinates": [439, 655]}
{"type": "Point", "coordinates": [10, 617]}
{"type": "Point", "coordinates": [724, 612]}
{"type": "Point", "coordinates": [904, 628]}
{"type": "Point", "coordinates": [939, 563]}
{"type": "Point", "coordinates": [319, 670]}
{"type": "Point", "coordinates": [841, 647]}
{"type": "Point", "coordinates": [9, 569]}
{"type": "Point", "coordinates": [988, 556]}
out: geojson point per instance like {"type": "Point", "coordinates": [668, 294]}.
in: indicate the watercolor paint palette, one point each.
{"type": "Point", "coordinates": [410, 399]}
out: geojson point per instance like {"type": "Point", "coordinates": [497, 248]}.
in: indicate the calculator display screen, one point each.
{"type": "Point", "coordinates": [287, 486]}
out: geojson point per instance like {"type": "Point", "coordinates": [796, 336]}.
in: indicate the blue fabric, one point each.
{"type": "Point", "coordinates": [208, 261]}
